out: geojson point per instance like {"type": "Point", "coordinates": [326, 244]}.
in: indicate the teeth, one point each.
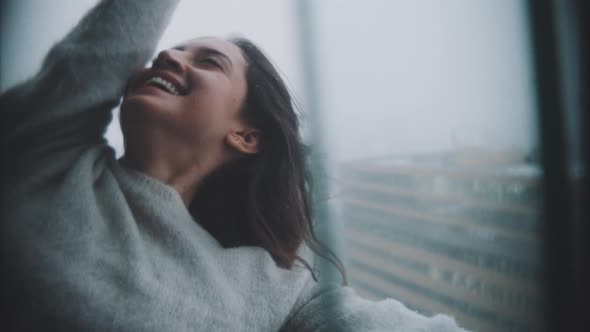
{"type": "Point", "coordinates": [164, 84]}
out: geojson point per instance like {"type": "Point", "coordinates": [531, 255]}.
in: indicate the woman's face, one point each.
{"type": "Point", "coordinates": [192, 94]}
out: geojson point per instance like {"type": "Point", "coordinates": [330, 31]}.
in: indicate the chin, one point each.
{"type": "Point", "coordinates": [135, 114]}
{"type": "Point", "coordinates": [138, 103]}
{"type": "Point", "coordinates": [142, 116]}
{"type": "Point", "coordinates": [142, 108]}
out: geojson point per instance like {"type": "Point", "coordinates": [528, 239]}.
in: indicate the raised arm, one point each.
{"type": "Point", "coordinates": [69, 101]}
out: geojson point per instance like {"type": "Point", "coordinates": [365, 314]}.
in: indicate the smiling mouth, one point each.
{"type": "Point", "coordinates": [163, 84]}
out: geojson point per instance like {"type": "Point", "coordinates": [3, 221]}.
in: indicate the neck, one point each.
{"type": "Point", "coordinates": [185, 180]}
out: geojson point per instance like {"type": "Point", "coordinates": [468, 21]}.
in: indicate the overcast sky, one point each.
{"type": "Point", "coordinates": [395, 77]}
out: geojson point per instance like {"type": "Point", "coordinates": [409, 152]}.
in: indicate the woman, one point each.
{"type": "Point", "coordinates": [213, 119]}
{"type": "Point", "coordinates": [199, 226]}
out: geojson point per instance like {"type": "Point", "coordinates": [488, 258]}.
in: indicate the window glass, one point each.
{"type": "Point", "coordinates": [428, 116]}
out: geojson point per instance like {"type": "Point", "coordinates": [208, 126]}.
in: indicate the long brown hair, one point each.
{"type": "Point", "coordinates": [264, 199]}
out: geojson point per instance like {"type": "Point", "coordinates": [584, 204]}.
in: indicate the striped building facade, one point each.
{"type": "Point", "coordinates": [446, 236]}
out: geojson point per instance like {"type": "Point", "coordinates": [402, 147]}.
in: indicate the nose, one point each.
{"type": "Point", "coordinates": [170, 59]}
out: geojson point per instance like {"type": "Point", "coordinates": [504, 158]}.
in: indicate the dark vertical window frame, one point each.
{"type": "Point", "coordinates": [565, 232]}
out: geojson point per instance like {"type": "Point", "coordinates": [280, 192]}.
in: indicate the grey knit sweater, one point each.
{"type": "Point", "coordinates": [88, 245]}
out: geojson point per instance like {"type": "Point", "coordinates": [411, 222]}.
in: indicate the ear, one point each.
{"type": "Point", "coordinates": [245, 141]}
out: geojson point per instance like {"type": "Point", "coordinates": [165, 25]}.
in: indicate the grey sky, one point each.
{"type": "Point", "coordinates": [425, 75]}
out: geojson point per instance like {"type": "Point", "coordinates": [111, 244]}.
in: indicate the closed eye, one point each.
{"type": "Point", "coordinates": [211, 61]}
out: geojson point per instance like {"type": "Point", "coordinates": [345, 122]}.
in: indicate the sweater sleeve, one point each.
{"type": "Point", "coordinates": [68, 103]}
{"type": "Point", "coordinates": [336, 308]}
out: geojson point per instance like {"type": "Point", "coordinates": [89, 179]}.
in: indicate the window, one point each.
{"type": "Point", "coordinates": [428, 112]}
{"type": "Point", "coordinates": [428, 132]}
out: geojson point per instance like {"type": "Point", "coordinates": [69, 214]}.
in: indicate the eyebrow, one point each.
{"type": "Point", "coordinates": [214, 52]}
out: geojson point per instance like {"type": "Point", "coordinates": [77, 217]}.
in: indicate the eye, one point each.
{"type": "Point", "coordinates": [211, 61]}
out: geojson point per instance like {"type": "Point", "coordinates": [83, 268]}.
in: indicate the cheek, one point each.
{"type": "Point", "coordinates": [217, 102]}
{"type": "Point", "coordinates": [211, 109]}
{"type": "Point", "coordinates": [208, 116]}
